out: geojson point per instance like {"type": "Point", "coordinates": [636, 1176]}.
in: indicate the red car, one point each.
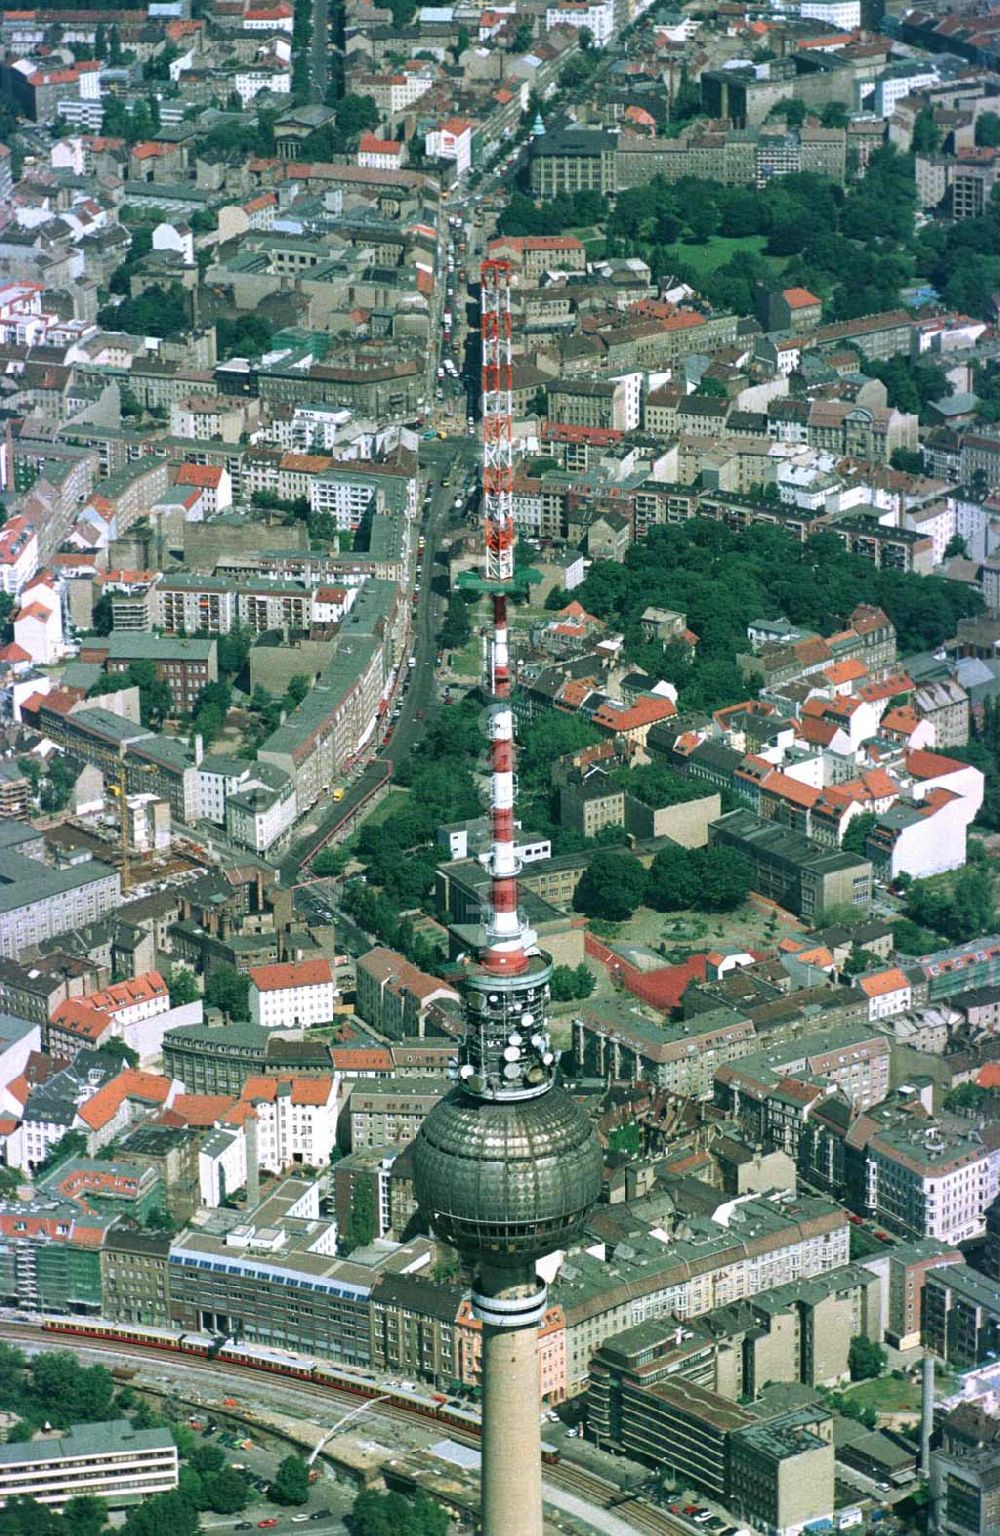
{"type": "Point", "coordinates": [267, 1525]}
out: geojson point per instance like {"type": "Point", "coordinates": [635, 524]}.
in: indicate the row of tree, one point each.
{"type": "Point", "coordinates": [722, 579]}
{"type": "Point", "coordinates": [711, 879]}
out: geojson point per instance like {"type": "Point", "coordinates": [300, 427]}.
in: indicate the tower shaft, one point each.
{"type": "Point", "coordinates": [511, 1449]}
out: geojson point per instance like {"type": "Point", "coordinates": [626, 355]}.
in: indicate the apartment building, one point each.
{"type": "Point", "coordinates": [770, 1091]}
{"type": "Point", "coordinates": [961, 1316]}
{"type": "Point", "coordinates": [929, 1180]}
{"type": "Point", "coordinates": [393, 996]}
{"type": "Point", "coordinates": [134, 1277]}
{"type": "Point", "coordinates": [186, 665]}
{"type": "Point", "coordinates": [296, 1120]}
{"type": "Point", "coordinates": [626, 1042]}
{"type": "Point", "coordinates": [383, 1112]}
{"type": "Point", "coordinates": [109, 1460]}
{"type": "Point", "coordinates": [292, 996]}
{"type": "Point", "coordinates": [39, 902]}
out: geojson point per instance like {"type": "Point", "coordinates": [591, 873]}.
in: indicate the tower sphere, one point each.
{"type": "Point", "coordinates": [508, 1182]}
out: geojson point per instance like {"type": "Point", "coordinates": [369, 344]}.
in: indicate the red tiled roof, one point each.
{"type": "Point", "coordinates": [206, 475]}
{"type": "Point", "coordinates": [201, 1109]}
{"type": "Point", "coordinates": [300, 973]}
{"type": "Point", "coordinates": [361, 1060]}
{"type": "Point", "coordinates": [930, 765]}
{"type": "Point", "coordinates": [130, 1084]}
{"type": "Point", "coordinates": [884, 983]}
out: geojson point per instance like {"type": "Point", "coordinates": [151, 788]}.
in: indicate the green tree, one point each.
{"type": "Point", "coordinates": [226, 1491]}
{"type": "Point", "coordinates": [291, 1483]}
{"type": "Point", "coordinates": [396, 1514]}
{"type": "Point", "coordinates": [858, 832]}
{"type": "Point", "coordinates": [725, 877]}
{"type": "Point", "coordinates": [122, 1052]}
{"type": "Point", "coordinates": [183, 986]}
{"type": "Point", "coordinates": [165, 1514]}
{"type": "Point", "coordinates": [611, 887]}
{"type": "Point", "coordinates": [926, 133]}
{"type": "Point", "coordinates": [967, 1097]}
{"type": "Point", "coordinates": [673, 881]}
{"type": "Point", "coordinates": [456, 629]}
{"type": "Point", "coordinates": [65, 1392]}
{"type": "Point", "coordinates": [563, 984]}
{"type": "Point", "coordinates": [988, 130]}
{"type": "Point", "coordinates": [85, 1515]}
{"type": "Point", "coordinates": [361, 1226]}
{"type": "Point", "coordinates": [356, 115]}
{"type": "Point", "coordinates": [865, 1358]}
{"type": "Point", "coordinates": [228, 991]}
{"type": "Point", "coordinates": [909, 460]}
{"type": "Point", "coordinates": [523, 37]}
{"type": "Point", "coordinates": [298, 687]}
{"type": "Point", "coordinates": [102, 619]}
{"type": "Point", "coordinates": [26, 1517]}
{"type": "Point", "coordinates": [331, 861]}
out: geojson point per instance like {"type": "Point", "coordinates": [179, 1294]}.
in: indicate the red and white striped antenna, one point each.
{"type": "Point", "coordinates": [507, 939]}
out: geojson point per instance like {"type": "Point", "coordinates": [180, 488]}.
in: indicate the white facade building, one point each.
{"type": "Point", "coordinates": [927, 1183]}
{"type": "Point", "coordinates": [841, 15]}
{"type": "Point", "coordinates": [597, 18]}
{"type": "Point", "coordinates": [296, 1120]}
{"type": "Point", "coordinates": [452, 141]}
{"type": "Point", "coordinates": [292, 996]}
{"type": "Point", "coordinates": [110, 1460]}
{"type": "Point", "coordinates": [18, 555]}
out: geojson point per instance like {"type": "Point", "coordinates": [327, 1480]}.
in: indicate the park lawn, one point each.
{"type": "Point", "coordinates": [387, 806]}
{"type": "Point", "coordinates": [696, 932]}
{"type": "Point", "coordinates": [719, 248]}
{"type": "Point", "coordinates": [886, 1394]}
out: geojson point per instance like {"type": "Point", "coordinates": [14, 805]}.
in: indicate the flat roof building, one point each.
{"type": "Point", "coordinates": [109, 1460]}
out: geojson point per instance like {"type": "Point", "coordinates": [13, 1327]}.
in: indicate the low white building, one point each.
{"type": "Point", "coordinates": [38, 625]}
{"type": "Point", "coordinates": [376, 154]}
{"type": "Point", "coordinates": [18, 555]}
{"type": "Point", "coordinates": [888, 992]}
{"type": "Point", "coordinates": [452, 141]}
{"type": "Point", "coordinates": [596, 16]}
{"type": "Point", "coordinates": [839, 15]}
{"type": "Point", "coordinates": [293, 995]}
{"type": "Point", "coordinates": [109, 1460]}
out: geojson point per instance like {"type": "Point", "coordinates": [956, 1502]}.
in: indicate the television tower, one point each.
{"type": "Point", "coordinates": [507, 1165]}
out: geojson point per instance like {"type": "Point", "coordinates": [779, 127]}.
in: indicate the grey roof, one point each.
{"type": "Point", "coordinates": [143, 647]}
{"type": "Point", "coordinates": [86, 1440]}
{"type": "Point", "coordinates": [26, 881]}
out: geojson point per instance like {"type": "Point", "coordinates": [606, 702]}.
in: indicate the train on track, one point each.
{"type": "Point", "coordinates": [402, 1397]}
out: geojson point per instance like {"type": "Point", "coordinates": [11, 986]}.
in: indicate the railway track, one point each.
{"type": "Point", "coordinates": [563, 1475]}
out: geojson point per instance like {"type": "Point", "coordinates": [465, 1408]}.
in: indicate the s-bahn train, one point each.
{"type": "Point", "coordinates": [405, 1398]}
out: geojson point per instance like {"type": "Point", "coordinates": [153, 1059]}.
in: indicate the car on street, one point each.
{"type": "Point", "coordinates": [320, 1514]}
{"type": "Point", "coordinates": [268, 1524]}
